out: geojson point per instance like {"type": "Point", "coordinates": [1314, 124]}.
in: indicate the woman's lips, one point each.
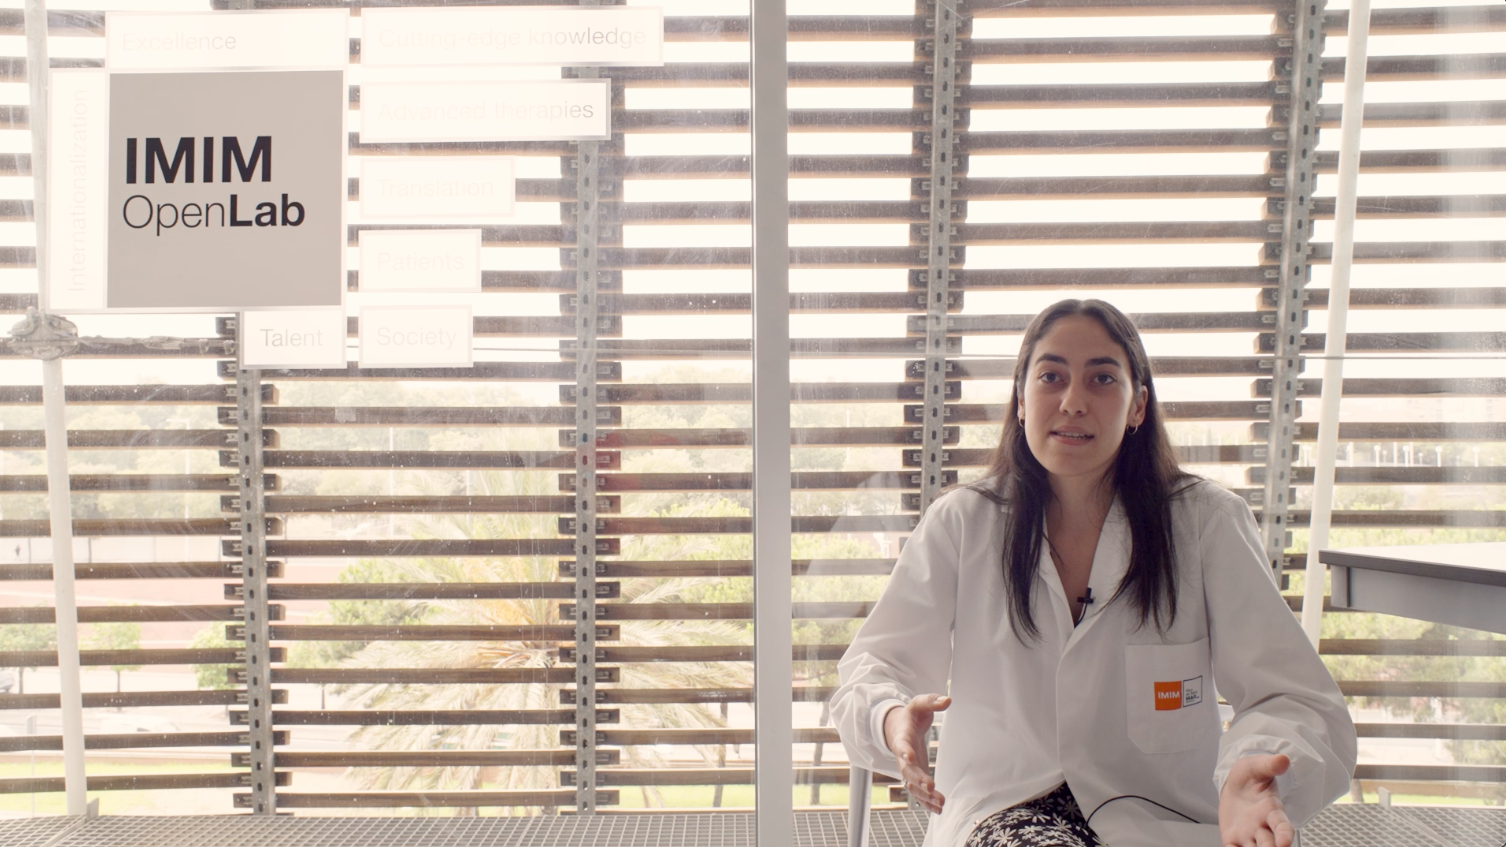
{"type": "Point", "coordinates": [1072, 437]}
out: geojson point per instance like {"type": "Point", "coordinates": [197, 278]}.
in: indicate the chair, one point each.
{"type": "Point", "coordinates": [859, 796]}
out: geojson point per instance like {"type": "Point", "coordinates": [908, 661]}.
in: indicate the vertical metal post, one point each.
{"type": "Point", "coordinates": [587, 238]}
{"type": "Point", "coordinates": [587, 309]}
{"type": "Point", "coordinates": [773, 668]}
{"type": "Point", "coordinates": [59, 490]}
{"type": "Point", "coordinates": [60, 513]}
{"type": "Point", "coordinates": [1291, 301]}
{"type": "Point", "coordinates": [938, 265]}
{"type": "Point", "coordinates": [859, 800]}
{"type": "Point", "coordinates": [253, 529]}
{"type": "Point", "coordinates": [1351, 122]}
{"type": "Point", "coordinates": [587, 180]}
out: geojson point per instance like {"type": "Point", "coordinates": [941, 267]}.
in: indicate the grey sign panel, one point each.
{"type": "Point", "coordinates": [226, 190]}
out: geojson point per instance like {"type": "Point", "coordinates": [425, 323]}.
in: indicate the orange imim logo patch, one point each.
{"type": "Point", "coordinates": [1177, 695]}
{"type": "Point", "coordinates": [1168, 696]}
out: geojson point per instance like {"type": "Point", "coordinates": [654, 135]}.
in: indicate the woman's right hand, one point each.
{"type": "Point", "coordinates": [905, 729]}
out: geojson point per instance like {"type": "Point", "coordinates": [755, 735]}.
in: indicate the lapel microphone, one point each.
{"type": "Point", "coordinates": [1087, 597]}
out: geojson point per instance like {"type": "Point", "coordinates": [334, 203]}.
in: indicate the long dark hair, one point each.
{"type": "Point", "coordinates": [1145, 476]}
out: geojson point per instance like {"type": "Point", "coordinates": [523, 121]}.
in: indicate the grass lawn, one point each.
{"type": "Point", "coordinates": [121, 802]}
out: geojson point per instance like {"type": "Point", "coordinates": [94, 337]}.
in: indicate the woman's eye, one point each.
{"type": "Point", "coordinates": [1048, 376]}
{"type": "Point", "coordinates": [1105, 379]}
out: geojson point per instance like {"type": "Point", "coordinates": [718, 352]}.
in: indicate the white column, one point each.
{"type": "Point", "coordinates": [1338, 313]}
{"type": "Point", "coordinates": [59, 503]}
{"type": "Point", "coordinates": [773, 668]}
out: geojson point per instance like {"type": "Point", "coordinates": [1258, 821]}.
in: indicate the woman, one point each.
{"type": "Point", "coordinates": [1081, 600]}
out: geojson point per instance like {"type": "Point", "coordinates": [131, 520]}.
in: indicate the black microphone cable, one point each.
{"type": "Point", "coordinates": [1148, 800]}
{"type": "Point", "coordinates": [1089, 821]}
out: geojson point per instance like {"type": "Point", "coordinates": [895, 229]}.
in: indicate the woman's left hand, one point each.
{"type": "Point", "coordinates": [1250, 812]}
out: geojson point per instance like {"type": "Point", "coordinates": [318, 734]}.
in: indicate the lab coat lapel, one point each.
{"type": "Point", "coordinates": [1061, 611]}
{"type": "Point", "coordinates": [1110, 563]}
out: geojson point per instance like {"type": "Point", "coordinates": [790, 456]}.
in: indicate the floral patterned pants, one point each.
{"type": "Point", "coordinates": [1050, 821]}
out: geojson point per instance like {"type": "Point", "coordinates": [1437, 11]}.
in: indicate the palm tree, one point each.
{"type": "Point", "coordinates": [489, 654]}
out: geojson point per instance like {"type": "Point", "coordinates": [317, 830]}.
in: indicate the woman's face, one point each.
{"type": "Point", "coordinates": [1078, 399]}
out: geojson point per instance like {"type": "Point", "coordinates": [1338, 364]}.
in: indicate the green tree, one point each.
{"type": "Point", "coordinates": [116, 635]}
{"type": "Point", "coordinates": [328, 654]}
{"type": "Point", "coordinates": [1450, 666]}
{"type": "Point", "coordinates": [1485, 710]}
{"type": "Point", "coordinates": [213, 677]}
{"type": "Point", "coordinates": [28, 637]}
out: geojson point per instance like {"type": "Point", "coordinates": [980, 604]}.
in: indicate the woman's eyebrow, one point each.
{"type": "Point", "coordinates": [1101, 360]}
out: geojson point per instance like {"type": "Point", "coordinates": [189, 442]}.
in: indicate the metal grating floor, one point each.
{"type": "Point", "coordinates": [1486, 827]}
{"type": "Point", "coordinates": [731, 829]}
{"type": "Point", "coordinates": [1337, 826]}
{"type": "Point", "coordinates": [1362, 826]}
{"type": "Point", "coordinates": [35, 832]}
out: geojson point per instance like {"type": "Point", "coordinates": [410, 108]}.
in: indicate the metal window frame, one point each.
{"type": "Point", "coordinates": [1336, 333]}
{"type": "Point", "coordinates": [44, 328]}
{"type": "Point", "coordinates": [773, 664]}
{"type": "Point", "coordinates": [771, 395]}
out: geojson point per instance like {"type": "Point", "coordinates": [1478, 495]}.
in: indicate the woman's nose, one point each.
{"type": "Point", "coordinates": [1074, 400]}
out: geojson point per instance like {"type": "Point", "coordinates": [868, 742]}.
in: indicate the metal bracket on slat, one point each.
{"type": "Point", "coordinates": [1301, 138]}
{"type": "Point", "coordinates": [567, 525]}
{"type": "Point", "coordinates": [251, 492]}
{"type": "Point", "coordinates": [236, 569]}
{"type": "Point", "coordinates": [44, 336]}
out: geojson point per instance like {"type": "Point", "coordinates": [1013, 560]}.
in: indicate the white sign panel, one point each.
{"type": "Point", "coordinates": [420, 259]}
{"type": "Point", "coordinates": [310, 338]}
{"type": "Point", "coordinates": [519, 110]}
{"type": "Point", "coordinates": [479, 188]}
{"type": "Point", "coordinates": [416, 336]}
{"type": "Point", "coordinates": [226, 190]}
{"type": "Point", "coordinates": [313, 38]}
{"type": "Point", "coordinates": [499, 35]}
{"type": "Point", "coordinates": [78, 145]}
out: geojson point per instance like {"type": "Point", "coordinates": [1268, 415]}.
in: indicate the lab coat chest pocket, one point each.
{"type": "Point", "coordinates": [1169, 691]}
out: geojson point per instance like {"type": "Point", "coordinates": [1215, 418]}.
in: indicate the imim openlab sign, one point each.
{"type": "Point", "coordinates": [226, 190]}
{"type": "Point", "coordinates": [139, 212]}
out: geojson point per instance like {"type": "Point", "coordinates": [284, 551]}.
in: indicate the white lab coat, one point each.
{"type": "Point", "coordinates": [1080, 705]}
